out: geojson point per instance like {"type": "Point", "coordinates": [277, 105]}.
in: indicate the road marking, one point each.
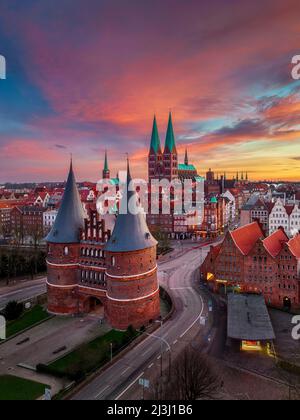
{"type": "Point", "coordinates": [150, 366]}
{"type": "Point", "coordinates": [175, 342]}
{"type": "Point", "coordinates": [123, 373]}
{"type": "Point", "coordinates": [147, 351]}
{"type": "Point", "coordinates": [102, 392]}
{"type": "Point", "coordinates": [129, 386]}
{"type": "Point", "coordinates": [159, 357]}
{"type": "Point", "coordinates": [196, 320]}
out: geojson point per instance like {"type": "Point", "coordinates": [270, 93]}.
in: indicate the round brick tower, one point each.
{"type": "Point", "coordinates": [132, 283]}
{"type": "Point", "coordinates": [63, 252]}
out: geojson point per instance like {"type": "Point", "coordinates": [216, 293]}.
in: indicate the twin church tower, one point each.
{"type": "Point", "coordinates": [163, 164]}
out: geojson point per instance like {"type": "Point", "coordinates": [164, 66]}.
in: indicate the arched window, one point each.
{"type": "Point", "coordinates": [113, 261]}
{"type": "Point", "coordinates": [66, 251]}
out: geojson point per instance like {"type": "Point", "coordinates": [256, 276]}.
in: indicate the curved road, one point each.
{"type": "Point", "coordinates": [121, 379]}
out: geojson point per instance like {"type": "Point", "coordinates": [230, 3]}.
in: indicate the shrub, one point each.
{"type": "Point", "coordinates": [13, 310]}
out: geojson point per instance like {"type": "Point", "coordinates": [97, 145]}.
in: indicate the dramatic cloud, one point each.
{"type": "Point", "coordinates": [85, 77]}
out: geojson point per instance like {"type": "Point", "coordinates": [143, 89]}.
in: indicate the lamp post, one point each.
{"type": "Point", "coordinates": [111, 352]}
{"type": "Point", "coordinates": [163, 341]}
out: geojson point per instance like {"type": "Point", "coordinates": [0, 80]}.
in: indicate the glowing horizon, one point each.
{"type": "Point", "coordinates": [84, 79]}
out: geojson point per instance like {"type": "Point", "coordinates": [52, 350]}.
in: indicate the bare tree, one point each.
{"type": "Point", "coordinates": [192, 378]}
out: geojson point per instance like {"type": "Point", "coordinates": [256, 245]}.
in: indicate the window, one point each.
{"type": "Point", "coordinates": [113, 261]}
{"type": "Point", "coordinates": [66, 251]}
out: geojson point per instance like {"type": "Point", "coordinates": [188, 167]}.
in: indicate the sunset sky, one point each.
{"type": "Point", "coordinates": [85, 76]}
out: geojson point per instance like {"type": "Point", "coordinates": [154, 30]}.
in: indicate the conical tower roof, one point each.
{"type": "Point", "coordinates": [131, 232]}
{"type": "Point", "coordinates": [170, 146]}
{"type": "Point", "coordinates": [155, 146]}
{"type": "Point", "coordinates": [70, 217]}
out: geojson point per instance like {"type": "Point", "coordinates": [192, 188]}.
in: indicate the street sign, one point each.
{"type": "Point", "coordinates": [48, 394]}
{"type": "Point", "coordinates": [203, 321]}
{"type": "Point", "coordinates": [2, 328]}
{"type": "Point", "coordinates": [144, 383]}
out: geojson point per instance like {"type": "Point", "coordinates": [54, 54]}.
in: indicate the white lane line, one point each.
{"type": "Point", "coordinates": [129, 386]}
{"type": "Point", "coordinates": [159, 357]}
{"type": "Point", "coordinates": [196, 320]}
{"type": "Point", "coordinates": [102, 392]}
{"type": "Point", "coordinates": [126, 370]}
{"type": "Point", "coordinates": [151, 366]}
{"type": "Point", "coordinates": [147, 351]}
{"type": "Point", "coordinates": [175, 342]}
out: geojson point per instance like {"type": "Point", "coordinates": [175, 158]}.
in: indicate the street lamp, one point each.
{"type": "Point", "coordinates": [163, 341]}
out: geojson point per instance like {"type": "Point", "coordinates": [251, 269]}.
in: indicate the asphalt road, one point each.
{"type": "Point", "coordinates": [121, 379]}
{"type": "Point", "coordinates": [23, 292]}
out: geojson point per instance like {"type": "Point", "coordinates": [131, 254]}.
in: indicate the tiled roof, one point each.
{"type": "Point", "coordinates": [294, 245]}
{"type": "Point", "coordinates": [246, 237]}
{"type": "Point", "coordinates": [273, 243]}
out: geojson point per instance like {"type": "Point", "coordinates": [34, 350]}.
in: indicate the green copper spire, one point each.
{"type": "Point", "coordinates": [170, 146]}
{"type": "Point", "coordinates": [106, 169]}
{"type": "Point", "coordinates": [186, 158]}
{"type": "Point", "coordinates": [155, 140]}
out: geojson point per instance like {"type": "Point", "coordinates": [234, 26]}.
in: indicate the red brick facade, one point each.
{"type": "Point", "coordinates": [250, 263]}
{"type": "Point", "coordinates": [126, 284]}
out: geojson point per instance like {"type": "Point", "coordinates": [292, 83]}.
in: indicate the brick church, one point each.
{"type": "Point", "coordinates": [163, 164]}
{"type": "Point", "coordinates": [88, 265]}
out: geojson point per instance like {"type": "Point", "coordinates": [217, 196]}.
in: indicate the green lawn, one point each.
{"type": "Point", "coordinates": [13, 388]}
{"type": "Point", "coordinates": [27, 320]}
{"type": "Point", "coordinates": [90, 356]}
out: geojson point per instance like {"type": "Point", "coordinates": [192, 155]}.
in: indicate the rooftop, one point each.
{"type": "Point", "coordinates": [273, 243]}
{"type": "Point", "coordinates": [131, 232]}
{"type": "Point", "coordinates": [70, 216]}
{"type": "Point", "coordinates": [183, 167]}
{"type": "Point", "coordinates": [248, 318]}
{"type": "Point", "coordinates": [246, 237]}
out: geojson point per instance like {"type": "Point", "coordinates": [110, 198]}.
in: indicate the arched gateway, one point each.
{"type": "Point", "coordinates": [89, 269]}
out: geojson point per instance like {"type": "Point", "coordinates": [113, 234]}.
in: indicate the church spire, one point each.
{"type": "Point", "coordinates": [155, 146]}
{"type": "Point", "coordinates": [186, 158]}
{"type": "Point", "coordinates": [170, 146]}
{"type": "Point", "coordinates": [131, 232]}
{"type": "Point", "coordinates": [106, 171]}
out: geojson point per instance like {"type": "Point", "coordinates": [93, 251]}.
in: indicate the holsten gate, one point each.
{"type": "Point", "coordinates": [88, 264]}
